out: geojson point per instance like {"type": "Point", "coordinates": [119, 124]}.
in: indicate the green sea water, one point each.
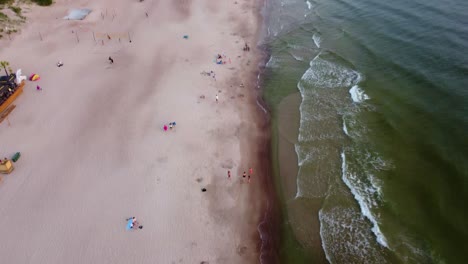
{"type": "Point", "coordinates": [370, 121]}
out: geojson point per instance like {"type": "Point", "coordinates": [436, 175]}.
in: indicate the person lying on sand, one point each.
{"type": "Point", "coordinates": [134, 223]}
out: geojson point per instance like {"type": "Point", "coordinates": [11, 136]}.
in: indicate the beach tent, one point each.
{"type": "Point", "coordinates": [34, 77]}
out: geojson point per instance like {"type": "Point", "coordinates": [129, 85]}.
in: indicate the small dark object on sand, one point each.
{"type": "Point", "coordinates": [203, 190]}
{"type": "Point", "coordinates": [141, 227]}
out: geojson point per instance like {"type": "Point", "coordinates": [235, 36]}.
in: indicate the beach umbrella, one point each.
{"type": "Point", "coordinates": [34, 77]}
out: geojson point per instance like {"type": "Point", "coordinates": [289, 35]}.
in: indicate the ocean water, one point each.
{"type": "Point", "coordinates": [382, 139]}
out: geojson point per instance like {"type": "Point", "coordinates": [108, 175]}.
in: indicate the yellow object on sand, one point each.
{"type": "Point", "coordinates": [34, 77]}
{"type": "Point", "coordinates": [6, 166]}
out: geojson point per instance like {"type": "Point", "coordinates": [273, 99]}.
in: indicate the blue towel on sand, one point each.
{"type": "Point", "coordinates": [129, 224]}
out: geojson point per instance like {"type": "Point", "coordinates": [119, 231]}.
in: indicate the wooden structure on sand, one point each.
{"type": "Point", "coordinates": [8, 95]}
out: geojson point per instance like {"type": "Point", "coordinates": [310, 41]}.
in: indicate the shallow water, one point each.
{"type": "Point", "coordinates": [381, 143]}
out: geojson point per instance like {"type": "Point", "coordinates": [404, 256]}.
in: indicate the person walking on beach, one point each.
{"type": "Point", "coordinates": [111, 60]}
{"type": "Point", "coordinates": [244, 175]}
{"type": "Point", "coordinates": [217, 98]}
{"type": "Point", "coordinates": [229, 174]}
{"type": "Point", "coordinates": [248, 178]}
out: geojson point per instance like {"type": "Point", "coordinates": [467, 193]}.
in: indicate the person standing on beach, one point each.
{"type": "Point", "coordinates": [217, 98]}
{"type": "Point", "coordinates": [244, 175]}
{"type": "Point", "coordinates": [213, 75]}
{"type": "Point", "coordinates": [248, 178]}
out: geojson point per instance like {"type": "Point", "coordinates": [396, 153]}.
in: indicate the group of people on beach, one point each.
{"type": "Point", "coordinates": [221, 59]}
{"type": "Point", "coordinates": [244, 175]}
{"type": "Point", "coordinates": [171, 126]}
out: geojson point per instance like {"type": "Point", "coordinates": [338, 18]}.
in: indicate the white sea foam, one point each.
{"type": "Point", "coordinates": [309, 5]}
{"type": "Point", "coordinates": [345, 129]}
{"type": "Point", "coordinates": [345, 236]}
{"type": "Point", "coordinates": [326, 74]}
{"type": "Point", "coordinates": [272, 62]}
{"type": "Point", "coordinates": [321, 74]}
{"type": "Point", "coordinates": [357, 94]}
{"type": "Point", "coordinates": [298, 58]}
{"type": "Point", "coordinates": [363, 202]}
{"type": "Point", "coordinates": [298, 185]}
{"type": "Point", "coordinates": [322, 236]}
{"type": "Point", "coordinates": [317, 39]}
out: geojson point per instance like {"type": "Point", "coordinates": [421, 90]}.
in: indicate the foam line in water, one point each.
{"type": "Point", "coordinates": [272, 62]}
{"type": "Point", "coordinates": [309, 5]}
{"type": "Point", "coordinates": [317, 39]}
{"type": "Point", "coordinates": [298, 186]}
{"type": "Point", "coordinates": [345, 129]}
{"type": "Point", "coordinates": [322, 236]}
{"type": "Point", "coordinates": [296, 57]}
{"type": "Point", "coordinates": [357, 94]}
{"type": "Point", "coordinates": [365, 210]}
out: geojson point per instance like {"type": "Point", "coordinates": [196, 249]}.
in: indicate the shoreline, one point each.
{"type": "Point", "coordinates": [269, 223]}
{"type": "Point", "coordinates": [300, 243]}
{"type": "Point", "coordinates": [251, 127]}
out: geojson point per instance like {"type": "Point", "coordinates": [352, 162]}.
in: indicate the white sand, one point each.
{"type": "Point", "coordinates": [92, 144]}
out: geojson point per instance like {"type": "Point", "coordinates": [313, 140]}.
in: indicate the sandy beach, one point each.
{"type": "Point", "coordinates": [94, 151]}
